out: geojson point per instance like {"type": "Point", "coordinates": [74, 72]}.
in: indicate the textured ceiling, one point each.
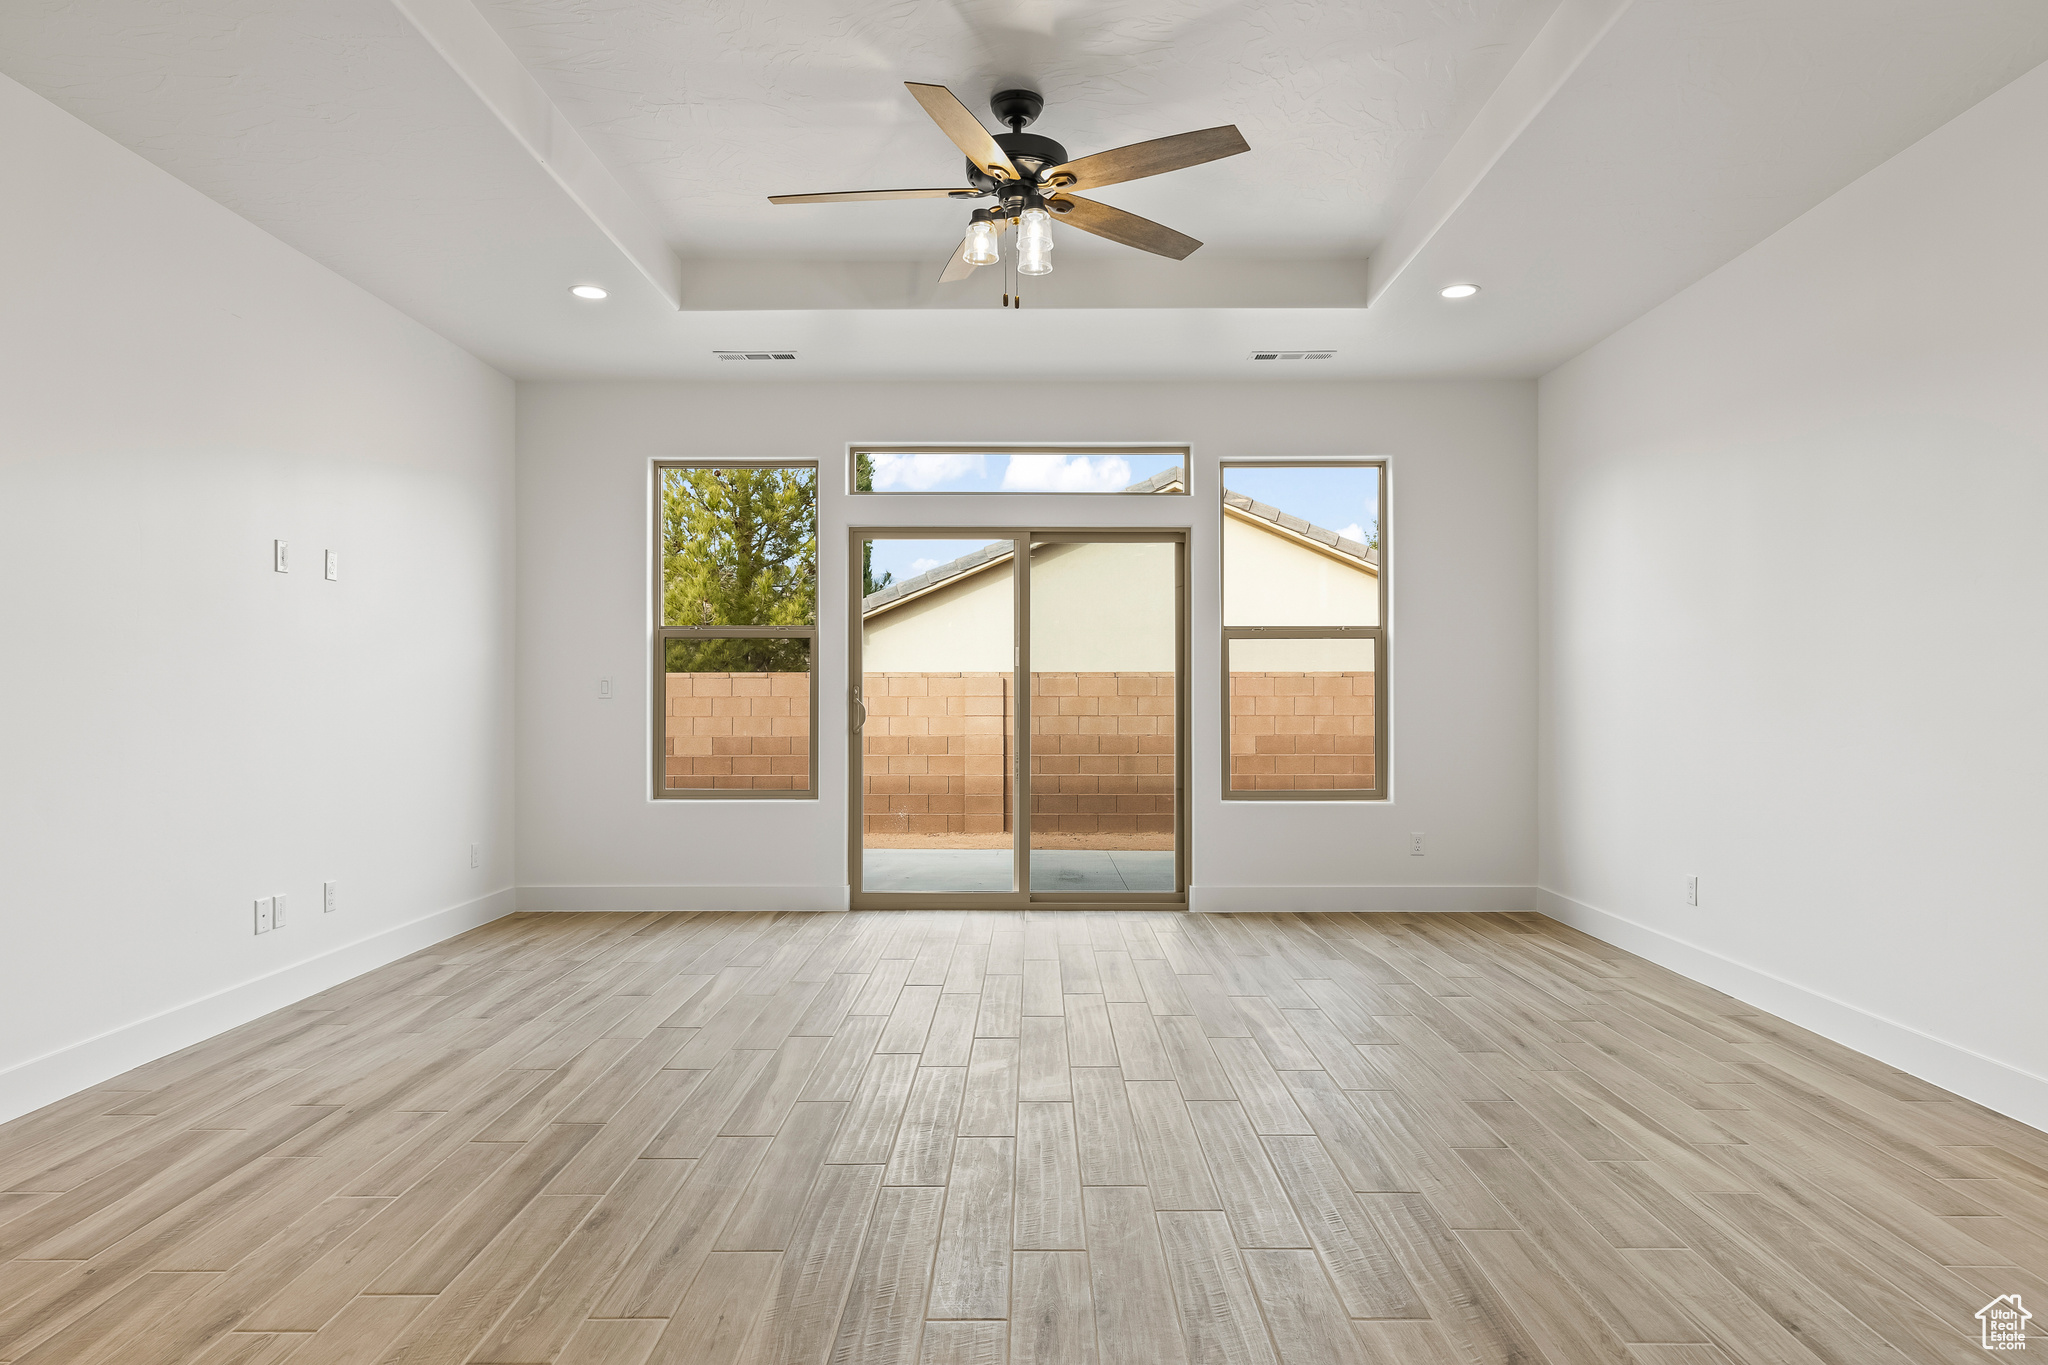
{"type": "Point", "coordinates": [705, 108]}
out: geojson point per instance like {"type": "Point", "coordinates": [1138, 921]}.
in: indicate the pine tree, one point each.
{"type": "Point", "coordinates": [739, 548]}
{"type": "Point", "coordinates": [864, 481]}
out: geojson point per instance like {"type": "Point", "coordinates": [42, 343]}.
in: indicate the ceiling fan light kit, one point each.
{"type": "Point", "coordinates": [1031, 178]}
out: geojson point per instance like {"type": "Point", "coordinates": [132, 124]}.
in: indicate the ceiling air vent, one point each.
{"type": "Point", "coordinates": [755, 355]}
{"type": "Point", "coordinates": [1294, 355]}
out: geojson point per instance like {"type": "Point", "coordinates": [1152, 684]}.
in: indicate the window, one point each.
{"type": "Point", "coordinates": [736, 630]}
{"type": "Point", "coordinates": [1304, 630]}
{"type": "Point", "coordinates": [1005, 469]}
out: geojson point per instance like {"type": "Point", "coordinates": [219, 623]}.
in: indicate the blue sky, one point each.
{"type": "Point", "coordinates": [949, 472]}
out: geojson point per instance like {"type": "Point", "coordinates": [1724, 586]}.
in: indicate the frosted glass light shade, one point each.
{"type": "Point", "coordinates": [1034, 243]}
{"type": "Point", "coordinates": [981, 244]}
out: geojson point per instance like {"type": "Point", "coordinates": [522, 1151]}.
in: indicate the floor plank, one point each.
{"type": "Point", "coordinates": [1132, 1293]}
{"type": "Point", "coordinates": [971, 1276]}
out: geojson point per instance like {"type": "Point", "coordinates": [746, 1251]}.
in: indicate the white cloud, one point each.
{"type": "Point", "coordinates": [1352, 532]}
{"type": "Point", "coordinates": [918, 566]}
{"type": "Point", "coordinates": [1067, 474]}
{"type": "Point", "coordinates": [923, 470]}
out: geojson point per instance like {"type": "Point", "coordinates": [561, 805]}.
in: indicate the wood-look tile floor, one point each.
{"type": "Point", "coordinates": [982, 1137]}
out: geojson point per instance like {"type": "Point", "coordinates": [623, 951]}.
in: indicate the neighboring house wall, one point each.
{"type": "Point", "coordinates": [1094, 608]}
{"type": "Point", "coordinates": [963, 627]}
{"type": "Point", "coordinates": [1271, 579]}
{"type": "Point", "coordinates": [1102, 608]}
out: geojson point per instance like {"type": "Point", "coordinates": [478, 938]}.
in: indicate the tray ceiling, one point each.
{"type": "Point", "coordinates": [1684, 133]}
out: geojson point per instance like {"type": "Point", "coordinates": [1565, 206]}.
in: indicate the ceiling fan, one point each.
{"type": "Point", "coordinates": [1031, 178]}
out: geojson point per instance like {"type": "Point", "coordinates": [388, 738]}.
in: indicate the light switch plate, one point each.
{"type": "Point", "coordinates": [264, 911]}
{"type": "Point", "coordinates": [604, 689]}
{"type": "Point", "coordinates": [281, 556]}
{"type": "Point", "coordinates": [277, 912]}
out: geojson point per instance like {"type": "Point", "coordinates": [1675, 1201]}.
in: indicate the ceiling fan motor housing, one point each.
{"type": "Point", "coordinates": [1028, 152]}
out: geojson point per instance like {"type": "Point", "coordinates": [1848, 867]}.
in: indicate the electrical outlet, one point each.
{"type": "Point", "coordinates": [327, 899]}
{"type": "Point", "coordinates": [604, 689]}
{"type": "Point", "coordinates": [280, 556]}
{"type": "Point", "coordinates": [476, 855]}
{"type": "Point", "coordinates": [334, 566]}
{"type": "Point", "coordinates": [1692, 890]}
{"type": "Point", "coordinates": [277, 912]}
{"type": "Point", "coordinates": [1415, 845]}
{"type": "Point", "coordinates": [264, 910]}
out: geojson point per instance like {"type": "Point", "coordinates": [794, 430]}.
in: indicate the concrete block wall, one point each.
{"type": "Point", "coordinates": [936, 750]}
{"type": "Point", "coordinates": [937, 745]}
{"type": "Point", "coordinates": [1102, 753]}
{"type": "Point", "coordinates": [748, 731]}
{"type": "Point", "coordinates": [1301, 731]}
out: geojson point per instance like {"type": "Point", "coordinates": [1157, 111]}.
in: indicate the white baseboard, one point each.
{"type": "Point", "coordinates": [1326, 900]}
{"type": "Point", "coordinates": [30, 1085]}
{"type": "Point", "coordinates": [1994, 1084]}
{"type": "Point", "coordinates": [1211, 899]}
{"type": "Point", "coordinates": [642, 899]}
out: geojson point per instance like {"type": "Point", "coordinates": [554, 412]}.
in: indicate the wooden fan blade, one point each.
{"type": "Point", "coordinates": [853, 196]}
{"type": "Point", "coordinates": [1118, 226]}
{"type": "Point", "coordinates": [964, 128]}
{"type": "Point", "coordinates": [959, 268]}
{"type": "Point", "coordinates": [1156, 157]}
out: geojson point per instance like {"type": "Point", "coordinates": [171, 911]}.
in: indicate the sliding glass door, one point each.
{"type": "Point", "coordinates": [1018, 725]}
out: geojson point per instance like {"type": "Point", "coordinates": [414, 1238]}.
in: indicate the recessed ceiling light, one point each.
{"type": "Point", "coordinates": [587, 291]}
{"type": "Point", "coordinates": [1460, 291]}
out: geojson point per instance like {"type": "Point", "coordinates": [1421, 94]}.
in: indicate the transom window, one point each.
{"type": "Point", "coordinates": [1004, 469]}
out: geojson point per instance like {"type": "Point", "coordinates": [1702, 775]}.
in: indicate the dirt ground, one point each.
{"type": "Point", "coordinates": [1117, 843]}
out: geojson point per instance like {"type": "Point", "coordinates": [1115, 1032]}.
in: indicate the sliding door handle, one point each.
{"type": "Point", "coordinates": [862, 723]}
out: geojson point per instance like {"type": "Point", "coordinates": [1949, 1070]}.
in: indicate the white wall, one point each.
{"type": "Point", "coordinates": [1795, 617]}
{"type": "Point", "coordinates": [1461, 519]}
{"type": "Point", "coordinates": [185, 729]}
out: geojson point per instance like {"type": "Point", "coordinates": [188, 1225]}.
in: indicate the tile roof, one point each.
{"type": "Point", "coordinates": [1307, 530]}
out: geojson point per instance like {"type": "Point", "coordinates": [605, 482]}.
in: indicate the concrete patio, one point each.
{"type": "Point", "coordinates": [989, 869]}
